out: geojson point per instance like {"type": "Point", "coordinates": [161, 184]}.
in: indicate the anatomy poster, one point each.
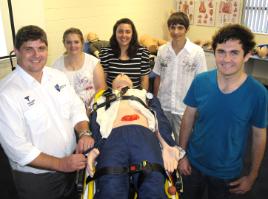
{"type": "Point", "coordinates": [228, 12]}
{"type": "Point", "coordinates": [205, 13]}
{"type": "Point", "coordinates": [186, 6]}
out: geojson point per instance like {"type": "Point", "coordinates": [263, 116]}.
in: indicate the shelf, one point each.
{"type": "Point", "coordinates": [262, 80]}
{"type": "Point", "coordinates": [258, 58]}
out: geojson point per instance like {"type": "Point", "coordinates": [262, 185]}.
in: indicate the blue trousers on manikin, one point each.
{"type": "Point", "coordinates": [128, 145]}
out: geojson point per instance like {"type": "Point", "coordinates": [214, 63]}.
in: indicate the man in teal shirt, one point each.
{"type": "Point", "coordinates": [223, 107]}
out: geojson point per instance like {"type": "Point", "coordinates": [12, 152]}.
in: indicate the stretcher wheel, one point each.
{"type": "Point", "coordinates": [168, 187]}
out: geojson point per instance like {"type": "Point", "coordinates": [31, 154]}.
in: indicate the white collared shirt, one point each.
{"type": "Point", "coordinates": [38, 117]}
{"type": "Point", "coordinates": [176, 73]}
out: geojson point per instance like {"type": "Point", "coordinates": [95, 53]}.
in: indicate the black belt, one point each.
{"type": "Point", "coordinates": [114, 98]}
{"type": "Point", "coordinates": [144, 167]}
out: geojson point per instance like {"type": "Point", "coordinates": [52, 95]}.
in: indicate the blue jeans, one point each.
{"type": "Point", "coordinates": [197, 185]}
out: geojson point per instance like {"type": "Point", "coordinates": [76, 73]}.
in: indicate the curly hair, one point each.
{"type": "Point", "coordinates": [234, 32]}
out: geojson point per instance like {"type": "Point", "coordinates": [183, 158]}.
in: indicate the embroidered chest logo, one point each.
{"type": "Point", "coordinates": [164, 61]}
{"type": "Point", "coordinates": [30, 102]}
{"type": "Point", "coordinates": [188, 65]}
{"type": "Point", "coordinates": [58, 87]}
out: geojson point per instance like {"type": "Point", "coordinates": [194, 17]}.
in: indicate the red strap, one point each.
{"type": "Point", "coordinates": [133, 168]}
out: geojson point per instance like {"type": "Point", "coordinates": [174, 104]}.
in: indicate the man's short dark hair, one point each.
{"type": "Point", "coordinates": [178, 18]}
{"type": "Point", "coordinates": [30, 33]}
{"type": "Point", "coordinates": [234, 32]}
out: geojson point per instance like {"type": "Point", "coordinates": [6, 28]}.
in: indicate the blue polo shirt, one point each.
{"type": "Point", "coordinates": [223, 123]}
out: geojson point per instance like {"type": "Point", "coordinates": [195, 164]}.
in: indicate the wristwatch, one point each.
{"type": "Point", "coordinates": [149, 96]}
{"type": "Point", "coordinates": [182, 152]}
{"type": "Point", "coordinates": [85, 132]}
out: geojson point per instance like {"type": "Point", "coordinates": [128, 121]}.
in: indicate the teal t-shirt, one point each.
{"type": "Point", "coordinates": [223, 123]}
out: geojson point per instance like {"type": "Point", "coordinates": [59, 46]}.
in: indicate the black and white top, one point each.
{"type": "Point", "coordinates": [135, 67]}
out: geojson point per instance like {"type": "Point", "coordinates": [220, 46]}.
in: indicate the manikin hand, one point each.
{"type": "Point", "coordinates": [91, 157]}
{"type": "Point", "coordinates": [171, 157]}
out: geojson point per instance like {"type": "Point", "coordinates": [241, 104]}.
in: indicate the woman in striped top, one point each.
{"type": "Point", "coordinates": [125, 55]}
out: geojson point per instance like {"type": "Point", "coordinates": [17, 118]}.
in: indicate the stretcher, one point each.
{"type": "Point", "coordinates": [173, 184]}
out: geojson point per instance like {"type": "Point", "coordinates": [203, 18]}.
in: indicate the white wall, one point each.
{"type": "Point", "coordinates": [99, 16]}
{"type": "Point", "coordinates": [5, 67]}
{"type": "Point", "coordinates": [24, 13]}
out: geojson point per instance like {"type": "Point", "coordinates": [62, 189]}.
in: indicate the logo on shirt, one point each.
{"type": "Point", "coordinates": [30, 102]}
{"type": "Point", "coordinates": [58, 87]}
{"type": "Point", "coordinates": [188, 65]}
{"type": "Point", "coordinates": [164, 61]}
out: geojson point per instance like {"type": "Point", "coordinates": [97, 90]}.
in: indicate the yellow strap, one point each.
{"type": "Point", "coordinates": [91, 189]}
{"type": "Point", "coordinates": [98, 95]}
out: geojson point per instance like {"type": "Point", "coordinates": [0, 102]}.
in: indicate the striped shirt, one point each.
{"type": "Point", "coordinates": [135, 67]}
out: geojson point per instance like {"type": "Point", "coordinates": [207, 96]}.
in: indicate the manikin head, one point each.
{"type": "Point", "coordinates": [121, 81]}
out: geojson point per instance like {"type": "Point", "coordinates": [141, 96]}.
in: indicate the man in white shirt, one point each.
{"type": "Point", "coordinates": [176, 65]}
{"type": "Point", "coordinates": [39, 113]}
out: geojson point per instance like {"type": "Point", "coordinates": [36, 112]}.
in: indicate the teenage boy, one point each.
{"type": "Point", "coordinates": [176, 65]}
